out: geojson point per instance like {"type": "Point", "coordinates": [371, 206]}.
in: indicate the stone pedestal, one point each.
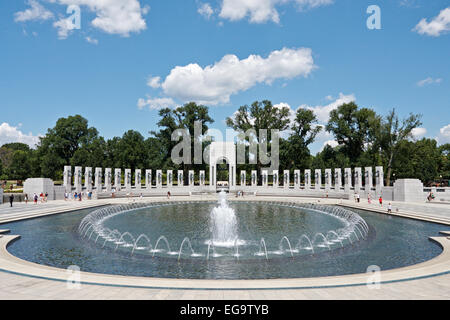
{"type": "Point", "coordinates": [409, 190]}
{"type": "Point", "coordinates": [108, 176]}
{"type": "Point", "coordinates": [159, 178]}
{"type": "Point", "coordinates": [358, 180]}
{"type": "Point", "coordinates": [318, 179]}
{"type": "Point", "coordinates": [38, 186]}
{"type": "Point", "coordinates": [88, 179]}
{"type": "Point", "coordinates": [148, 179]}
{"type": "Point", "coordinates": [379, 179]}
{"type": "Point", "coordinates": [328, 179]}
{"type": "Point", "coordinates": [169, 178]}
{"type": "Point", "coordinates": [117, 179]}
{"type": "Point", "coordinates": [98, 179]}
{"type": "Point", "coordinates": [138, 179]}
{"type": "Point", "coordinates": [368, 179]}
{"type": "Point", "coordinates": [191, 177]}
{"type": "Point", "coordinates": [180, 178]}
{"type": "Point", "coordinates": [297, 179]}
{"type": "Point", "coordinates": [254, 181]}
{"type": "Point", "coordinates": [337, 179]}
{"type": "Point", "coordinates": [243, 178]}
{"type": "Point", "coordinates": [68, 179]}
{"type": "Point", "coordinates": [78, 176]}
{"type": "Point", "coordinates": [307, 179]}
{"type": "Point", "coordinates": [265, 178]}
{"type": "Point", "coordinates": [348, 179]}
{"type": "Point", "coordinates": [286, 179]}
{"type": "Point", "coordinates": [275, 180]}
{"type": "Point", "coordinates": [202, 177]}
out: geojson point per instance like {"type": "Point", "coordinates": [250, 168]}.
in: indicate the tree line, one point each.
{"type": "Point", "coordinates": [364, 138]}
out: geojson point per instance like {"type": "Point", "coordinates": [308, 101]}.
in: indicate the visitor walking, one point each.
{"type": "Point", "coordinates": [66, 196]}
{"type": "Point", "coordinates": [26, 198]}
{"type": "Point", "coordinates": [389, 208]}
{"type": "Point", "coordinates": [380, 201]}
{"type": "Point", "coordinates": [11, 199]}
{"type": "Point", "coordinates": [358, 198]}
{"type": "Point", "coordinates": [35, 198]}
{"type": "Point", "coordinates": [168, 194]}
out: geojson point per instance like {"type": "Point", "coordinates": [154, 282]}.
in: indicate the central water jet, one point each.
{"type": "Point", "coordinates": [223, 223]}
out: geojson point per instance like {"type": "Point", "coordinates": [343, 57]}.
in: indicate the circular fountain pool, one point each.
{"type": "Point", "coordinates": [224, 240]}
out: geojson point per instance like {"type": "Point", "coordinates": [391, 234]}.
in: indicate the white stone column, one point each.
{"type": "Point", "coordinates": [328, 179]}
{"type": "Point", "coordinates": [191, 178]}
{"type": "Point", "coordinates": [68, 179]}
{"type": "Point", "coordinates": [307, 179]}
{"type": "Point", "coordinates": [78, 175]}
{"type": "Point", "coordinates": [358, 180]}
{"type": "Point", "coordinates": [88, 179]}
{"type": "Point", "coordinates": [202, 177]}
{"type": "Point", "coordinates": [286, 179]}
{"type": "Point", "coordinates": [276, 179]}
{"type": "Point", "coordinates": [108, 176]}
{"type": "Point", "coordinates": [254, 178]}
{"type": "Point", "coordinates": [297, 179]}
{"type": "Point", "coordinates": [368, 179]}
{"type": "Point", "coordinates": [159, 179]}
{"type": "Point", "coordinates": [118, 179]}
{"type": "Point", "coordinates": [348, 179]}
{"type": "Point", "coordinates": [138, 179]}
{"type": "Point", "coordinates": [318, 179]}
{"type": "Point", "coordinates": [337, 179]}
{"type": "Point", "coordinates": [243, 178]}
{"type": "Point", "coordinates": [148, 179]}
{"type": "Point", "coordinates": [169, 178]}
{"type": "Point", "coordinates": [180, 178]}
{"type": "Point", "coordinates": [98, 179]}
{"type": "Point", "coordinates": [265, 178]}
{"type": "Point", "coordinates": [128, 179]}
{"type": "Point", "coordinates": [379, 179]}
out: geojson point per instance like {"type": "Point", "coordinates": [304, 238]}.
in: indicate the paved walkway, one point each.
{"type": "Point", "coordinates": [14, 284]}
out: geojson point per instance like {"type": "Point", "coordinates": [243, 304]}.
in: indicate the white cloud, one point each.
{"type": "Point", "coordinates": [214, 84]}
{"type": "Point", "coordinates": [35, 12]}
{"type": "Point", "coordinates": [9, 134]}
{"type": "Point", "coordinates": [331, 143]}
{"type": "Point", "coordinates": [418, 133]}
{"type": "Point", "coordinates": [64, 26]}
{"type": "Point", "coordinates": [323, 112]}
{"type": "Point", "coordinates": [205, 10]}
{"type": "Point", "coordinates": [156, 103]}
{"type": "Point", "coordinates": [428, 81]}
{"type": "Point", "coordinates": [91, 40]}
{"type": "Point", "coordinates": [154, 82]}
{"type": "Point", "coordinates": [260, 11]}
{"type": "Point", "coordinates": [444, 135]}
{"type": "Point", "coordinates": [437, 26]}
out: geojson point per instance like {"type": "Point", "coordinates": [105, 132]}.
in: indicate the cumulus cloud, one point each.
{"type": "Point", "coordinates": [437, 26]}
{"type": "Point", "coordinates": [260, 11]}
{"type": "Point", "coordinates": [154, 82]}
{"type": "Point", "coordinates": [10, 134]}
{"type": "Point", "coordinates": [428, 81]}
{"type": "Point", "coordinates": [156, 103]}
{"type": "Point", "coordinates": [418, 133]}
{"type": "Point", "coordinates": [205, 10]}
{"type": "Point", "coordinates": [214, 84]}
{"type": "Point", "coordinates": [323, 112]}
{"type": "Point", "coordinates": [444, 135]}
{"type": "Point", "coordinates": [35, 12]}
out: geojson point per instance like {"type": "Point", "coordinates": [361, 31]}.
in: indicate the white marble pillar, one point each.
{"type": "Point", "coordinates": [254, 178]}
{"type": "Point", "coordinates": [328, 179]}
{"type": "Point", "coordinates": [379, 179]}
{"type": "Point", "coordinates": [286, 179]}
{"type": "Point", "coordinates": [307, 179]}
{"type": "Point", "coordinates": [276, 178]}
{"type": "Point", "coordinates": [128, 179]}
{"type": "Point", "coordinates": [297, 179]}
{"type": "Point", "coordinates": [368, 179]}
{"type": "Point", "coordinates": [202, 177]}
{"type": "Point", "coordinates": [243, 178]}
{"type": "Point", "coordinates": [348, 179]}
{"type": "Point", "coordinates": [159, 179]}
{"type": "Point", "coordinates": [318, 179]}
{"type": "Point", "coordinates": [138, 179]}
{"type": "Point", "coordinates": [68, 179]}
{"type": "Point", "coordinates": [169, 178]}
{"type": "Point", "coordinates": [78, 176]}
{"type": "Point", "coordinates": [337, 179]}
{"type": "Point", "coordinates": [108, 176]}
{"type": "Point", "coordinates": [148, 179]}
{"type": "Point", "coordinates": [358, 179]}
{"type": "Point", "coordinates": [265, 178]}
{"type": "Point", "coordinates": [88, 179]}
{"type": "Point", "coordinates": [191, 178]}
{"type": "Point", "coordinates": [180, 178]}
{"type": "Point", "coordinates": [98, 179]}
{"type": "Point", "coordinates": [118, 179]}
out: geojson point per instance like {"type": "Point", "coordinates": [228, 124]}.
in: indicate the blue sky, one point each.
{"type": "Point", "coordinates": [311, 53]}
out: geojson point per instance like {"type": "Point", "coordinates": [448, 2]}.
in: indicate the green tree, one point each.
{"type": "Point", "coordinates": [20, 167]}
{"type": "Point", "coordinates": [392, 133]}
{"type": "Point", "coordinates": [355, 129]}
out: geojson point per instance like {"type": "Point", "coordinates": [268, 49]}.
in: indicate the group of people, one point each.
{"type": "Point", "coordinates": [369, 200]}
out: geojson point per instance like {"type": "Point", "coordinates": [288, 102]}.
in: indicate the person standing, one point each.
{"type": "Point", "coordinates": [389, 208]}
{"type": "Point", "coordinates": [380, 201]}
{"type": "Point", "coordinates": [11, 199]}
{"type": "Point", "coordinates": [26, 198]}
{"type": "Point", "coordinates": [35, 198]}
